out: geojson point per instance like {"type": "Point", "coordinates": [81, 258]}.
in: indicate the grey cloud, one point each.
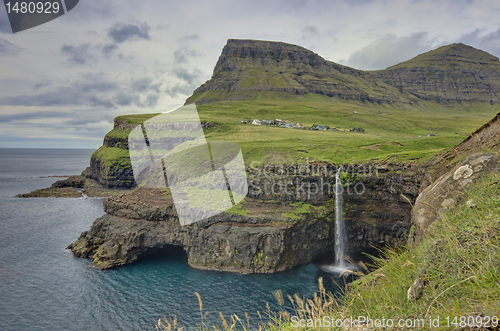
{"type": "Point", "coordinates": [142, 84]}
{"type": "Point", "coordinates": [89, 53]}
{"type": "Point", "coordinates": [489, 42]}
{"type": "Point", "coordinates": [310, 30]}
{"type": "Point", "coordinates": [191, 78]}
{"type": "Point", "coordinates": [182, 54]}
{"type": "Point", "coordinates": [162, 27]}
{"type": "Point", "coordinates": [109, 48]}
{"type": "Point", "coordinates": [92, 91]}
{"type": "Point", "coordinates": [30, 116]}
{"type": "Point", "coordinates": [151, 100]}
{"type": "Point", "coordinates": [85, 119]}
{"type": "Point", "coordinates": [122, 32]}
{"type": "Point", "coordinates": [80, 54]}
{"type": "Point", "coordinates": [182, 89]}
{"type": "Point", "coordinates": [390, 50]}
{"type": "Point", "coordinates": [40, 85]}
{"type": "Point", "coordinates": [8, 49]}
{"type": "Point", "coordinates": [89, 122]}
{"type": "Point", "coordinates": [126, 99]}
{"type": "Point", "coordinates": [193, 37]}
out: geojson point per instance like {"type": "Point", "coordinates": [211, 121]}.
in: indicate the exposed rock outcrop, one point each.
{"type": "Point", "coordinates": [449, 189]}
{"type": "Point", "coordinates": [246, 244]}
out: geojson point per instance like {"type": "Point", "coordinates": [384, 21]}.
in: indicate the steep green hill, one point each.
{"type": "Point", "coordinates": [255, 70]}
{"type": "Point", "coordinates": [455, 72]}
{"type": "Point", "coordinates": [249, 69]}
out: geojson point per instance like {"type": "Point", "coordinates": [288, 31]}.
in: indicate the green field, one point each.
{"type": "Point", "coordinates": [398, 131]}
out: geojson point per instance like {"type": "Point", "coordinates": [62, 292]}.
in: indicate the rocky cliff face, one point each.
{"type": "Point", "coordinates": [110, 165]}
{"type": "Point", "coordinates": [248, 68]}
{"type": "Point", "coordinates": [267, 234]}
{"type": "Point", "coordinates": [133, 228]}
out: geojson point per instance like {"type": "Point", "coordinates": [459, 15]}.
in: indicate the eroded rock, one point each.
{"type": "Point", "coordinates": [448, 189]}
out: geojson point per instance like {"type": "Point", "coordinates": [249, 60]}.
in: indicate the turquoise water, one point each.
{"type": "Point", "coordinates": [43, 287]}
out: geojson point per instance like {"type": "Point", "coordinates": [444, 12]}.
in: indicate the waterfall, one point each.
{"type": "Point", "coordinates": [339, 223]}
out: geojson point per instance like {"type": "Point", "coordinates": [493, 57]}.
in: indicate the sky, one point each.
{"type": "Point", "coordinates": [63, 82]}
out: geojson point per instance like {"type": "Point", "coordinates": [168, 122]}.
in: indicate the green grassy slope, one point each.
{"type": "Point", "coordinates": [389, 131]}
{"type": "Point", "coordinates": [455, 72]}
{"type": "Point", "coordinates": [400, 132]}
{"type": "Point", "coordinates": [458, 260]}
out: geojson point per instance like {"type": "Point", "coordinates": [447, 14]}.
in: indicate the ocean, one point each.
{"type": "Point", "coordinates": [44, 287]}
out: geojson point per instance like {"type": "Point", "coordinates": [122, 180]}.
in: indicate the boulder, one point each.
{"type": "Point", "coordinates": [448, 189]}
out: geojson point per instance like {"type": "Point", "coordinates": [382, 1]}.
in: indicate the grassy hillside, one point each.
{"type": "Point", "coordinates": [389, 130]}
{"type": "Point", "coordinates": [455, 72]}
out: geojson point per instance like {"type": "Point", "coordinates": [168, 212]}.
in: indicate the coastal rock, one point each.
{"type": "Point", "coordinates": [71, 181]}
{"type": "Point", "coordinates": [268, 236]}
{"type": "Point", "coordinates": [448, 189]}
{"type": "Point", "coordinates": [223, 242]}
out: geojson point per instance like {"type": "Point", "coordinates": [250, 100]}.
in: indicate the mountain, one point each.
{"type": "Point", "coordinates": [455, 72]}
{"type": "Point", "coordinates": [247, 69]}
{"type": "Point", "coordinates": [250, 68]}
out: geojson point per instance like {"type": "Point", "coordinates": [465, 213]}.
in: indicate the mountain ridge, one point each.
{"type": "Point", "coordinates": [247, 69]}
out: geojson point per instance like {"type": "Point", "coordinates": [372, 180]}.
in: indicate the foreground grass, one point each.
{"type": "Point", "coordinates": [458, 262]}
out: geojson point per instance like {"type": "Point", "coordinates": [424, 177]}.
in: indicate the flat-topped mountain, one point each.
{"type": "Point", "coordinates": [252, 68]}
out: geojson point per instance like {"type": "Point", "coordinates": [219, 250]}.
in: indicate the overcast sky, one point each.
{"type": "Point", "coordinates": [63, 82]}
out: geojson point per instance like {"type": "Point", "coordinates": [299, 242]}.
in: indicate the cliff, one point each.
{"type": "Point", "coordinates": [269, 232]}
{"type": "Point", "coordinates": [247, 69]}
{"type": "Point", "coordinates": [110, 165]}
